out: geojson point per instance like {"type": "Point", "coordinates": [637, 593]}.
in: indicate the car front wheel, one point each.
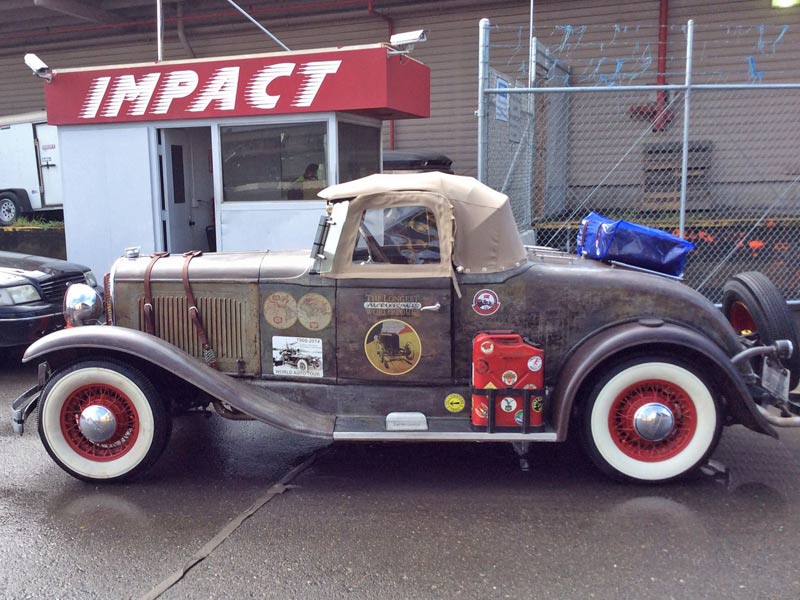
{"type": "Point", "coordinates": [650, 420]}
{"type": "Point", "coordinates": [102, 421]}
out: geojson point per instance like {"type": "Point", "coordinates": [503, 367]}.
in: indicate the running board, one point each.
{"type": "Point", "coordinates": [439, 429]}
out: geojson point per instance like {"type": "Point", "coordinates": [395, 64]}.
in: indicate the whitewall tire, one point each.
{"type": "Point", "coordinates": [651, 419]}
{"type": "Point", "coordinates": [102, 421]}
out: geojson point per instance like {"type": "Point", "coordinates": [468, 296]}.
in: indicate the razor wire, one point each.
{"type": "Point", "coordinates": [596, 134]}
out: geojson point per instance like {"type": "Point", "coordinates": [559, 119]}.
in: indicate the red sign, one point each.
{"type": "Point", "coordinates": [366, 79]}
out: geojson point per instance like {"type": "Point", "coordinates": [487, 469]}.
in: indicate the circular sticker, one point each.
{"type": "Point", "coordinates": [509, 378]}
{"type": "Point", "coordinates": [481, 366]}
{"type": "Point", "coordinates": [314, 311]}
{"type": "Point", "coordinates": [485, 302]}
{"type": "Point", "coordinates": [280, 310]}
{"type": "Point", "coordinates": [518, 417]}
{"type": "Point", "coordinates": [393, 347]}
{"type": "Point", "coordinates": [454, 403]}
{"type": "Point", "coordinates": [535, 363]}
{"type": "Point", "coordinates": [487, 347]}
{"type": "Point", "coordinates": [536, 405]}
{"type": "Point", "coordinates": [508, 404]}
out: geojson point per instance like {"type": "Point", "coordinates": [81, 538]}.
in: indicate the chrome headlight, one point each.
{"type": "Point", "coordinates": [19, 294]}
{"type": "Point", "coordinates": [91, 280]}
{"type": "Point", "coordinates": [83, 306]}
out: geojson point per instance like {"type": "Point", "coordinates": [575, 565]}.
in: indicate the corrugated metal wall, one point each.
{"type": "Point", "coordinates": [451, 52]}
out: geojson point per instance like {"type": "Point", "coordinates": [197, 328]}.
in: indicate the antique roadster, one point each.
{"type": "Point", "coordinates": [420, 316]}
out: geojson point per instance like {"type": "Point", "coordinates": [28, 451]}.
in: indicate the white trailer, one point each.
{"type": "Point", "coordinates": [29, 161]}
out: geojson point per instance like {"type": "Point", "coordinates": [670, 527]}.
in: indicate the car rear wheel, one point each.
{"type": "Point", "coordinates": [9, 209]}
{"type": "Point", "coordinates": [755, 307]}
{"type": "Point", "coordinates": [102, 421]}
{"type": "Point", "coordinates": [651, 419]}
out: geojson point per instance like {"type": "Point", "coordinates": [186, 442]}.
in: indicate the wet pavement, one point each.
{"type": "Point", "coordinates": [395, 521]}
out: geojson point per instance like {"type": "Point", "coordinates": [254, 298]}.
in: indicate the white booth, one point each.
{"type": "Point", "coordinates": [221, 154]}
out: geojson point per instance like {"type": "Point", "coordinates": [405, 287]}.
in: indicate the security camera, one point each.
{"type": "Point", "coordinates": [38, 67]}
{"type": "Point", "coordinates": [406, 41]}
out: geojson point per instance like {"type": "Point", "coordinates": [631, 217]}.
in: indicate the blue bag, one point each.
{"type": "Point", "coordinates": [601, 238]}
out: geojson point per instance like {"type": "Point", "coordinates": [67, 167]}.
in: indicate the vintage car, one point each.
{"type": "Point", "coordinates": [31, 295]}
{"type": "Point", "coordinates": [422, 317]}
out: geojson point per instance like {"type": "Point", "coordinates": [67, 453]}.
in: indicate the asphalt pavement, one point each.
{"type": "Point", "coordinates": [391, 521]}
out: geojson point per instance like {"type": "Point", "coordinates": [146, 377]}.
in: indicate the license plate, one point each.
{"type": "Point", "coordinates": [775, 379]}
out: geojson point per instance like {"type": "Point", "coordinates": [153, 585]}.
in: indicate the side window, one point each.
{"type": "Point", "coordinates": [405, 235]}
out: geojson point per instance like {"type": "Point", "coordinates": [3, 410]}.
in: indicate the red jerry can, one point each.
{"type": "Point", "coordinates": [505, 370]}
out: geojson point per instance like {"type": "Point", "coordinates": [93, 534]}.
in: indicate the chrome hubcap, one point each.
{"type": "Point", "coordinates": [97, 423]}
{"type": "Point", "coordinates": [653, 421]}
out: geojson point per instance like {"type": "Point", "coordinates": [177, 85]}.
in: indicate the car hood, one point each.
{"type": "Point", "coordinates": [231, 267]}
{"type": "Point", "coordinates": [36, 267]}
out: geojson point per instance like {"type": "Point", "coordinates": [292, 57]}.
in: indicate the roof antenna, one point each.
{"type": "Point", "coordinates": [257, 24]}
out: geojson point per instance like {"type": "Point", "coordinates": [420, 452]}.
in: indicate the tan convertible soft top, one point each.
{"type": "Point", "coordinates": [486, 237]}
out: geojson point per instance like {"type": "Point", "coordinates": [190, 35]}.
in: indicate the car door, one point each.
{"type": "Point", "coordinates": [396, 327]}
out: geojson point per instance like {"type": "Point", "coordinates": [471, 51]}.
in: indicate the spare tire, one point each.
{"type": "Point", "coordinates": [754, 306]}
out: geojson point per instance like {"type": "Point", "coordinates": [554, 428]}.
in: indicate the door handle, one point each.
{"type": "Point", "coordinates": [432, 307]}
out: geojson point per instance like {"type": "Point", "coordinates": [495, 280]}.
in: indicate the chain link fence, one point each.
{"type": "Point", "coordinates": [592, 135]}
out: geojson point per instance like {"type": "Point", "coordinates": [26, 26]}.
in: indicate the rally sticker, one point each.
{"type": "Point", "coordinates": [481, 410]}
{"type": "Point", "coordinates": [536, 405]}
{"type": "Point", "coordinates": [487, 347]}
{"type": "Point", "coordinates": [535, 363]}
{"type": "Point", "coordinates": [280, 310]}
{"type": "Point", "coordinates": [508, 404]}
{"type": "Point", "coordinates": [518, 417]}
{"type": "Point", "coordinates": [486, 302]}
{"type": "Point", "coordinates": [393, 347]}
{"type": "Point", "coordinates": [297, 356]}
{"type": "Point", "coordinates": [454, 403]}
{"type": "Point", "coordinates": [314, 311]}
{"type": "Point", "coordinates": [509, 378]}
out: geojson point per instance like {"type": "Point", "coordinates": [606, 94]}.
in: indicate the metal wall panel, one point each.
{"type": "Point", "coordinates": [451, 51]}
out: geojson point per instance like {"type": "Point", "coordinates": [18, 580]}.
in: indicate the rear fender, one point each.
{"type": "Point", "coordinates": [647, 337]}
{"type": "Point", "coordinates": [261, 404]}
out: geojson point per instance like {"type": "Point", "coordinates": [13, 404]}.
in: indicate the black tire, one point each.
{"type": "Point", "coordinates": [610, 427]}
{"type": "Point", "coordinates": [142, 421]}
{"type": "Point", "coordinates": [750, 301]}
{"type": "Point", "coordinates": [9, 208]}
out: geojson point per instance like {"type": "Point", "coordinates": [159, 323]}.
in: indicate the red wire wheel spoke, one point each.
{"type": "Point", "coordinates": [125, 415]}
{"type": "Point", "coordinates": [740, 317]}
{"type": "Point", "coordinates": [621, 420]}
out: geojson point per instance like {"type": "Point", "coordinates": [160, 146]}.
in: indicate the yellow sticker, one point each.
{"type": "Point", "coordinates": [393, 347]}
{"type": "Point", "coordinates": [454, 403]}
{"type": "Point", "coordinates": [490, 386]}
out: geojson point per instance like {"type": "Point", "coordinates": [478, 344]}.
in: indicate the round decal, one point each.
{"type": "Point", "coordinates": [481, 366]}
{"type": "Point", "coordinates": [518, 417]}
{"type": "Point", "coordinates": [536, 405]}
{"type": "Point", "coordinates": [508, 404]}
{"type": "Point", "coordinates": [487, 347]}
{"type": "Point", "coordinates": [280, 310]}
{"type": "Point", "coordinates": [509, 378]}
{"type": "Point", "coordinates": [454, 403]}
{"type": "Point", "coordinates": [486, 302]}
{"type": "Point", "coordinates": [393, 347]}
{"type": "Point", "coordinates": [535, 363]}
{"type": "Point", "coordinates": [314, 311]}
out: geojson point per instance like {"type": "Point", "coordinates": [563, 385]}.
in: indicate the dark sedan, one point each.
{"type": "Point", "coordinates": [31, 295]}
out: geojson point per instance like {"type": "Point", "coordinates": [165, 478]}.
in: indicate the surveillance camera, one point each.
{"type": "Point", "coordinates": [39, 68]}
{"type": "Point", "coordinates": [409, 38]}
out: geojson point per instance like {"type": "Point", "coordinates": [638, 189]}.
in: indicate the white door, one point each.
{"type": "Point", "coordinates": [176, 165]}
{"type": "Point", "coordinates": [49, 164]}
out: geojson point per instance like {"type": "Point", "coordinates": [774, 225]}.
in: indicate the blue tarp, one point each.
{"type": "Point", "coordinates": [601, 238]}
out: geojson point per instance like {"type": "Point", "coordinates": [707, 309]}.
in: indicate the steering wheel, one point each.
{"type": "Point", "coordinates": [376, 253]}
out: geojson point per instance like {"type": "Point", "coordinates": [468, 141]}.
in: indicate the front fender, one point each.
{"type": "Point", "coordinates": [647, 336]}
{"type": "Point", "coordinates": [261, 404]}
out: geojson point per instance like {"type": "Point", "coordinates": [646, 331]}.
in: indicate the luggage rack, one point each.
{"type": "Point", "coordinates": [492, 394]}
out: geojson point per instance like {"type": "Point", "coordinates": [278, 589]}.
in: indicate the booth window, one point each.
{"type": "Point", "coordinates": [273, 162]}
{"type": "Point", "coordinates": [405, 235]}
{"type": "Point", "coordinates": [359, 151]}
